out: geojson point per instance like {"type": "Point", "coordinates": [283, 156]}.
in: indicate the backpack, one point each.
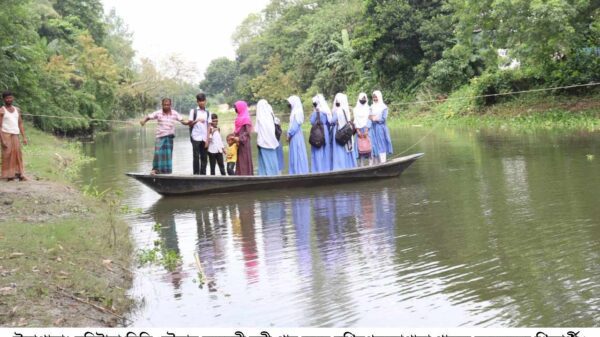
{"type": "Point", "coordinates": [317, 133]}
{"type": "Point", "coordinates": [196, 116]}
{"type": "Point", "coordinates": [278, 130]}
{"type": "Point", "coordinates": [364, 145]}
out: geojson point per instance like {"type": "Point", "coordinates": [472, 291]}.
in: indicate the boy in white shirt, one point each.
{"type": "Point", "coordinates": [199, 125]}
{"type": "Point", "coordinates": [216, 148]}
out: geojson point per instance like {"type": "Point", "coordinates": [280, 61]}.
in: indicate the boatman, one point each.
{"type": "Point", "coordinates": [165, 132]}
{"type": "Point", "coordinates": [11, 126]}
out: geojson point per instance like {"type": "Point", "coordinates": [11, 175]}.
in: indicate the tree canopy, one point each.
{"type": "Point", "coordinates": [408, 47]}
{"type": "Point", "coordinates": [66, 58]}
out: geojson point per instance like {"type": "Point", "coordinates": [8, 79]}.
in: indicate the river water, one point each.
{"type": "Point", "coordinates": [491, 228]}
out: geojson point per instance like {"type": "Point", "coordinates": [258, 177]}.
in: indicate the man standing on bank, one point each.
{"type": "Point", "coordinates": [199, 120]}
{"type": "Point", "coordinates": [11, 125]}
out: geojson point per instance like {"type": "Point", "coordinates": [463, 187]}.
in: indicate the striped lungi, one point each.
{"type": "Point", "coordinates": [12, 157]}
{"type": "Point", "coordinates": [163, 155]}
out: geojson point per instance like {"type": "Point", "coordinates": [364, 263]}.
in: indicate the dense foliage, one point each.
{"type": "Point", "coordinates": [410, 49]}
{"type": "Point", "coordinates": [67, 58]}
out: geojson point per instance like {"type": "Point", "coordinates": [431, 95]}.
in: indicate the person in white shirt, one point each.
{"type": "Point", "coordinates": [11, 126]}
{"type": "Point", "coordinates": [199, 127]}
{"type": "Point", "coordinates": [216, 148]}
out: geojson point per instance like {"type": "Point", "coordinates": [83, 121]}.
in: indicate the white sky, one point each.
{"type": "Point", "coordinates": [198, 30]}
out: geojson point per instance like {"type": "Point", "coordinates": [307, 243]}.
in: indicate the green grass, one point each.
{"type": "Point", "coordinates": [51, 158]}
{"type": "Point", "coordinates": [66, 254]}
{"type": "Point", "coordinates": [520, 113]}
{"type": "Point", "coordinates": [57, 242]}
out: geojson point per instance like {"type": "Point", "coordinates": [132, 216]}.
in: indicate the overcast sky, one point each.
{"type": "Point", "coordinates": [198, 30]}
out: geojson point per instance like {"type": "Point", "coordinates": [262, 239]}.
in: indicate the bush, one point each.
{"type": "Point", "coordinates": [501, 82]}
{"type": "Point", "coordinates": [457, 66]}
{"type": "Point", "coordinates": [582, 67]}
{"type": "Point", "coordinates": [460, 102]}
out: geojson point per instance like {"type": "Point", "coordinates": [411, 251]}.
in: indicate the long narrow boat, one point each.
{"type": "Point", "coordinates": [169, 184]}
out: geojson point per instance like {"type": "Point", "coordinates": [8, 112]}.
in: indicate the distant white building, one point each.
{"type": "Point", "coordinates": [507, 63]}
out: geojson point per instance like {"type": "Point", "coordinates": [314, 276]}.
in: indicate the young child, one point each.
{"type": "Point", "coordinates": [215, 146]}
{"type": "Point", "coordinates": [232, 150]}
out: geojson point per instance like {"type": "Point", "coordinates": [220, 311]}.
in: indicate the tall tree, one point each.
{"type": "Point", "coordinates": [274, 85]}
{"type": "Point", "coordinates": [538, 33]}
{"type": "Point", "coordinates": [84, 14]}
{"type": "Point", "coordinates": [220, 76]}
{"type": "Point", "coordinates": [21, 53]}
{"type": "Point", "coordinates": [401, 39]}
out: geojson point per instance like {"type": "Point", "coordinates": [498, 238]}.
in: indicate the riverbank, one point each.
{"type": "Point", "coordinates": [526, 112]}
{"type": "Point", "coordinates": [64, 254]}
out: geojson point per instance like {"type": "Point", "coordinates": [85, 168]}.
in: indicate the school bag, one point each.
{"type": "Point", "coordinates": [278, 130]}
{"type": "Point", "coordinates": [317, 133]}
{"type": "Point", "coordinates": [343, 135]}
{"type": "Point", "coordinates": [364, 145]}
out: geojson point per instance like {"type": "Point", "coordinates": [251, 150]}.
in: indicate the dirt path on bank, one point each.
{"type": "Point", "coordinates": [38, 201]}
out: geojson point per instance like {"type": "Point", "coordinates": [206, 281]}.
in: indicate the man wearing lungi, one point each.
{"type": "Point", "coordinates": [11, 126]}
{"type": "Point", "coordinates": [165, 132]}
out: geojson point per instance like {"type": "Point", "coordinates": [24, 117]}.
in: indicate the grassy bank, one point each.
{"type": "Point", "coordinates": [523, 112]}
{"type": "Point", "coordinates": [64, 256]}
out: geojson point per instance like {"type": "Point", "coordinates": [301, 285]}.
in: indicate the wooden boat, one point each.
{"type": "Point", "coordinates": [169, 184]}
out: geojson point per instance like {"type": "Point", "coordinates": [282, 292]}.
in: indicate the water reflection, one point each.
{"type": "Point", "coordinates": [167, 234]}
{"type": "Point", "coordinates": [317, 242]}
{"type": "Point", "coordinates": [211, 245]}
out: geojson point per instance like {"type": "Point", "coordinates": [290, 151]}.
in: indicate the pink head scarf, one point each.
{"type": "Point", "coordinates": [243, 117]}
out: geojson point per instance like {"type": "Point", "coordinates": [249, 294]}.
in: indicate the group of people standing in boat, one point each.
{"type": "Point", "coordinates": [367, 142]}
{"type": "Point", "coordinates": [371, 142]}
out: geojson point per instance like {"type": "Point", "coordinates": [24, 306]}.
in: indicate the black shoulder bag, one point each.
{"type": "Point", "coordinates": [343, 135]}
{"type": "Point", "coordinates": [278, 130]}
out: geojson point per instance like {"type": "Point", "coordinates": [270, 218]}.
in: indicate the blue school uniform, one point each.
{"type": "Point", "coordinates": [268, 164]}
{"type": "Point", "coordinates": [280, 155]}
{"type": "Point", "coordinates": [321, 156]}
{"type": "Point", "coordinates": [298, 157]}
{"type": "Point", "coordinates": [342, 158]}
{"type": "Point", "coordinates": [381, 140]}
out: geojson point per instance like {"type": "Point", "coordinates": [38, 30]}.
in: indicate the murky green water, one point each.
{"type": "Point", "coordinates": [490, 228]}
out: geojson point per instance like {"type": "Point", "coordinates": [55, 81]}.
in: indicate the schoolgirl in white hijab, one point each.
{"type": "Point", "coordinates": [297, 151]}
{"type": "Point", "coordinates": [341, 109]}
{"type": "Point", "coordinates": [297, 113]}
{"type": "Point", "coordinates": [320, 159]}
{"type": "Point", "coordinates": [363, 126]}
{"type": "Point", "coordinates": [361, 111]}
{"type": "Point", "coordinates": [268, 164]}
{"type": "Point", "coordinates": [265, 126]}
{"type": "Point", "coordinates": [343, 155]}
{"type": "Point", "coordinates": [382, 142]}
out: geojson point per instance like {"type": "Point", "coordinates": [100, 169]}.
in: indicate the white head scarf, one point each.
{"type": "Point", "coordinates": [361, 112]}
{"type": "Point", "coordinates": [378, 108]}
{"type": "Point", "coordinates": [322, 105]}
{"type": "Point", "coordinates": [265, 127]}
{"type": "Point", "coordinates": [315, 99]}
{"type": "Point", "coordinates": [343, 111]}
{"type": "Point", "coordinates": [297, 110]}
